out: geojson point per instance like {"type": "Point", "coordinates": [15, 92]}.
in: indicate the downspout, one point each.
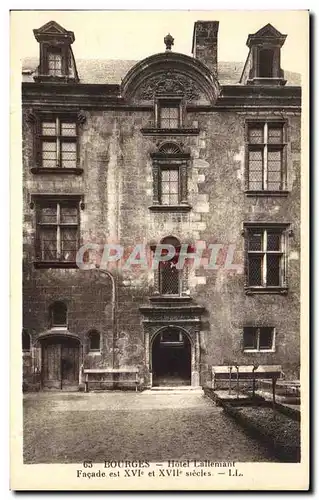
{"type": "Point", "coordinates": [114, 315]}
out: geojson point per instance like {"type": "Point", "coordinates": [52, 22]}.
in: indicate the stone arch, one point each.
{"type": "Point", "coordinates": [170, 73]}
{"type": "Point", "coordinates": [171, 356]}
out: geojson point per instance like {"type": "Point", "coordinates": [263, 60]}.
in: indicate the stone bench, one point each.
{"type": "Point", "coordinates": [114, 372]}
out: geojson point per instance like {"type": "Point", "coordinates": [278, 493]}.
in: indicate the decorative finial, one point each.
{"type": "Point", "coordinates": [169, 41]}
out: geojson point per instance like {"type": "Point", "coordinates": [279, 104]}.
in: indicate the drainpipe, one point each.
{"type": "Point", "coordinates": [114, 304]}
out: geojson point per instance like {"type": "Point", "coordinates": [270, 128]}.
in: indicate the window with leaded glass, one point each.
{"type": "Point", "coordinates": [266, 155]}
{"type": "Point", "coordinates": [57, 231]}
{"type": "Point", "coordinates": [54, 62]}
{"type": "Point", "coordinates": [58, 143]}
{"type": "Point", "coordinates": [265, 257]}
{"type": "Point", "coordinates": [259, 338]}
{"type": "Point", "coordinates": [169, 115]}
{"type": "Point", "coordinates": [169, 186]}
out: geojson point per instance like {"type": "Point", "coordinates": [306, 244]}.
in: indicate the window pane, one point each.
{"type": "Point", "coordinates": [48, 215]}
{"type": "Point", "coordinates": [256, 135]}
{"type": "Point", "coordinates": [169, 117]}
{"type": "Point", "coordinates": [171, 335]}
{"type": "Point", "coordinates": [273, 270]}
{"type": "Point", "coordinates": [169, 279]}
{"type": "Point", "coordinates": [275, 134]}
{"type": "Point", "coordinates": [54, 63]}
{"type": "Point", "coordinates": [68, 129]}
{"type": "Point", "coordinates": [255, 240]}
{"type": "Point", "coordinates": [94, 341]}
{"type": "Point", "coordinates": [265, 338]}
{"type": "Point", "coordinates": [48, 243]}
{"type": "Point", "coordinates": [255, 270]}
{"type": "Point", "coordinates": [48, 128]}
{"type": "Point", "coordinates": [68, 243]}
{"type": "Point", "coordinates": [266, 57]}
{"type": "Point", "coordinates": [68, 215]}
{"type": "Point", "coordinates": [255, 170]}
{"type": "Point", "coordinates": [170, 186]}
{"type": "Point", "coordinates": [49, 158]}
{"type": "Point", "coordinates": [68, 154]}
{"type": "Point", "coordinates": [274, 169]}
{"type": "Point", "coordinates": [250, 337]}
{"type": "Point", "coordinates": [273, 240]}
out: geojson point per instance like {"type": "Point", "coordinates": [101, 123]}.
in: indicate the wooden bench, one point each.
{"type": "Point", "coordinates": [110, 371]}
{"type": "Point", "coordinates": [246, 372]}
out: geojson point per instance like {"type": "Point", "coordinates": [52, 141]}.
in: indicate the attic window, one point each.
{"type": "Point", "coordinates": [55, 62]}
{"type": "Point", "coordinates": [266, 63]}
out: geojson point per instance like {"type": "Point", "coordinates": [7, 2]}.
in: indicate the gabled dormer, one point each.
{"type": "Point", "coordinates": [263, 63]}
{"type": "Point", "coordinates": [56, 57]}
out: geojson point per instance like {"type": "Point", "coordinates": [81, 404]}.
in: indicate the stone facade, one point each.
{"type": "Point", "coordinates": [114, 184]}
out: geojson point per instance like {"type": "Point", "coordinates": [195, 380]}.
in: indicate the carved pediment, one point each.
{"type": "Point", "coordinates": [170, 84]}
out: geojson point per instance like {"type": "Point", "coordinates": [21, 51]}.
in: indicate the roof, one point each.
{"type": "Point", "coordinates": [112, 71]}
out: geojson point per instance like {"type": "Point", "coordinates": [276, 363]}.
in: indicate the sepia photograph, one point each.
{"type": "Point", "coordinates": [161, 215]}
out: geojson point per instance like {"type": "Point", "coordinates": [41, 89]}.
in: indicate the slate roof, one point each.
{"type": "Point", "coordinates": [112, 71]}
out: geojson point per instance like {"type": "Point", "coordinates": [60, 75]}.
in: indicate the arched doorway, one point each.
{"type": "Point", "coordinates": [60, 362]}
{"type": "Point", "coordinates": [171, 358]}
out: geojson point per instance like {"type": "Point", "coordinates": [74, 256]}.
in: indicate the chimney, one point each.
{"type": "Point", "coordinates": [205, 43]}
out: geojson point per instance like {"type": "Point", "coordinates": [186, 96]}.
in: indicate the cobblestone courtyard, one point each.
{"type": "Point", "coordinates": [72, 427]}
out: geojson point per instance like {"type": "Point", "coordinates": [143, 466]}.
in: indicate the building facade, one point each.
{"type": "Point", "coordinates": [174, 150]}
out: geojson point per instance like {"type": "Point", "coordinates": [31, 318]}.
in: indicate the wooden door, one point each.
{"type": "Point", "coordinates": [51, 366]}
{"type": "Point", "coordinates": [60, 364]}
{"type": "Point", "coordinates": [70, 365]}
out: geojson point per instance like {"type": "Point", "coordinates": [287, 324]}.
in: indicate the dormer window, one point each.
{"type": "Point", "coordinates": [266, 63]}
{"type": "Point", "coordinates": [263, 60]}
{"type": "Point", "coordinates": [56, 56]}
{"type": "Point", "coordinates": [55, 62]}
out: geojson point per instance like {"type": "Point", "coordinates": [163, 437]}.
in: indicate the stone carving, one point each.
{"type": "Point", "coordinates": [173, 83]}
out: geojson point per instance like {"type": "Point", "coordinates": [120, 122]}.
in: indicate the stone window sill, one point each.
{"type": "Point", "coordinates": [169, 131]}
{"type": "Point", "coordinates": [170, 298]}
{"type": "Point", "coordinates": [266, 290]}
{"type": "Point", "coordinates": [267, 193]}
{"type": "Point", "coordinates": [41, 264]}
{"type": "Point", "coordinates": [170, 208]}
{"type": "Point", "coordinates": [57, 170]}
{"type": "Point", "coordinates": [258, 351]}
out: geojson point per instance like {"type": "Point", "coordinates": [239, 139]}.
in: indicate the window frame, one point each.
{"type": "Point", "coordinates": [265, 146]}
{"type": "Point", "coordinates": [89, 335]}
{"type": "Point", "coordinates": [284, 231]}
{"type": "Point", "coordinates": [53, 324]}
{"type": "Point", "coordinates": [42, 201]}
{"type": "Point", "coordinates": [257, 332]}
{"type": "Point", "coordinates": [169, 101]}
{"type": "Point", "coordinates": [180, 162]}
{"type": "Point", "coordinates": [37, 119]}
